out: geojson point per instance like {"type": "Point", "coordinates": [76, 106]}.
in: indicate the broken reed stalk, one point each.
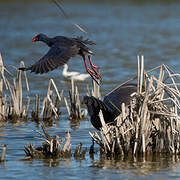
{"type": "Point", "coordinates": [74, 108]}
{"type": "Point", "coordinates": [96, 89]}
{"type": "Point", "coordinates": [150, 124]}
{"type": "Point", "coordinates": [51, 147]}
{"type": "Point", "coordinates": [51, 104]}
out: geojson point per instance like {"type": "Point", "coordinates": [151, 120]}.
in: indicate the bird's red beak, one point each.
{"type": "Point", "coordinates": [35, 38]}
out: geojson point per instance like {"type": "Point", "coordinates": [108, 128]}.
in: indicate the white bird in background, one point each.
{"type": "Point", "coordinates": [74, 75]}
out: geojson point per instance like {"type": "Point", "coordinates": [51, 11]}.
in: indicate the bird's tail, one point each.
{"type": "Point", "coordinates": [85, 41]}
{"type": "Point", "coordinates": [23, 69]}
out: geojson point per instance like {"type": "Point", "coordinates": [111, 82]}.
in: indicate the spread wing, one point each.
{"type": "Point", "coordinates": [55, 57]}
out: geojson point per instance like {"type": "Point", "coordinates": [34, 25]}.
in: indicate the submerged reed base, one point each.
{"type": "Point", "coordinates": [74, 107]}
{"type": "Point", "coordinates": [151, 122]}
{"type": "Point", "coordinates": [51, 147]}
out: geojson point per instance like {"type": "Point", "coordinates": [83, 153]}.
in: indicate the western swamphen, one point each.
{"type": "Point", "coordinates": [61, 50]}
{"type": "Point", "coordinates": [110, 106]}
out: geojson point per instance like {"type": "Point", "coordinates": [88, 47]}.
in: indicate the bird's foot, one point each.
{"type": "Point", "coordinates": [91, 63]}
{"type": "Point", "coordinates": [91, 73]}
{"type": "Point", "coordinates": [94, 76]}
{"type": "Point", "coordinates": [94, 67]}
{"type": "Point", "coordinates": [97, 74]}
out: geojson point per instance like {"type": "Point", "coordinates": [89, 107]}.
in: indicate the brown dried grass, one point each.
{"type": "Point", "coordinates": [151, 123]}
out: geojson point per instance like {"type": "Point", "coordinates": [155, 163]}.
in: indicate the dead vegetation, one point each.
{"type": "Point", "coordinates": [74, 109]}
{"type": "Point", "coordinates": [74, 106]}
{"type": "Point", "coordinates": [53, 147]}
{"type": "Point", "coordinates": [14, 107]}
{"type": "Point", "coordinates": [151, 123]}
{"type": "Point", "coordinates": [51, 104]}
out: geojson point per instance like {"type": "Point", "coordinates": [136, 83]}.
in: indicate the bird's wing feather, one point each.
{"type": "Point", "coordinates": [120, 95]}
{"type": "Point", "coordinates": [55, 57]}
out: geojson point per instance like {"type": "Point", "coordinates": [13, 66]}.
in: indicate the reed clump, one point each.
{"type": "Point", "coordinates": [53, 147]}
{"type": "Point", "coordinates": [150, 124]}
{"type": "Point", "coordinates": [51, 104]}
{"type": "Point", "coordinates": [14, 107]}
{"type": "Point", "coordinates": [11, 96]}
{"type": "Point", "coordinates": [75, 111]}
{"type": "Point", "coordinates": [74, 106]}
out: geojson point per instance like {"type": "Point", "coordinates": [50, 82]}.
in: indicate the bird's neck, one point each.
{"type": "Point", "coordinates": [47, 40]}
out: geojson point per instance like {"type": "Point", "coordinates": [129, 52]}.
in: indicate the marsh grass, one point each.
{"type": "Point", "coordinates": [74, 109]}
{"type": "Point", "coordinates": [51, 104]}
{"type": "Point", "coordinates": [53, 147]}
{"type": "Point", "coordinates": [13, 106]}
{"type": "Point", "coordinates": [150, 124]}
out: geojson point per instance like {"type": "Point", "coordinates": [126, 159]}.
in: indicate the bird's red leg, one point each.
{"type": "Point", "coordinates": [94, 68]}
{"type": "Point", "coordinates": [91, 73]}
{"type": "Point", "coordinates": [92, 65]}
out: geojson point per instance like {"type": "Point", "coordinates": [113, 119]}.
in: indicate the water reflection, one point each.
{"type": "Point", "coordinates": [46, 162]}
{"type": "Point", "coordinates": [134, 167]}
{"type": "Point", "coordinates": [74, 124]}
{"type": "Point", "coordinates": [122, 31]}
{"type": "Point", "coordinates": [140, 166]}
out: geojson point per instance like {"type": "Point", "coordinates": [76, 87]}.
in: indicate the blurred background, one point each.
{"type": "Point", "coordinates": [121, 29]}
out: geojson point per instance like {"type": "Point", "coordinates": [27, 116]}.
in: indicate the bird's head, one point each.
{"type": "Point", "coordinates": [92, 105]}
{"type": "Point", "coordinates": [38, 37]}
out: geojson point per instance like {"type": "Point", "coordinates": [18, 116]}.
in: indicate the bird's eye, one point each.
{"type": "Point", "coordinates": [39, 38]}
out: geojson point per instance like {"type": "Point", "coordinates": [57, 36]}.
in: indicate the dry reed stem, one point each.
{"type": "Point", "coordinates": [15, 109]}
{"type": "Point", "coordinates": [67, 144]}
{"type": "Point", "coordinates": [2, 68]}
{"type": "Point", "coordinates": [74, 107]}
{"type": "Point", "coordinates": [12, 104]}
{"type": "Point", "coordinates": [151, 122]}
{"type": "Point", "coordinates": [96, 89]}
{"type": "Point", "coordinates": [25, 75]}
{"type": "Point", "coordinates": [51, 147]}
{"type": "Point", "coordinates": [50, 106]}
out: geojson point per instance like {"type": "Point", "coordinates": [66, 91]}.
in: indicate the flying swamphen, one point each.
{"type": "Point", "coordinates": [110, 106]}
{"type": "Point", "coordinates": [61, 50]}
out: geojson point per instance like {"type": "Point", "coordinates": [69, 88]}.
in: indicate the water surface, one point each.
{"type": "Point", "coordinates": [121, 31]}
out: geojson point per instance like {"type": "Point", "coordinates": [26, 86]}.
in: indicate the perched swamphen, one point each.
{"type": "Point", "coordinates": [61, 50]}
{"type": "Point", "coordinates": [110, 106]}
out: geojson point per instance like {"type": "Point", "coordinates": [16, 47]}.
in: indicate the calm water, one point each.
{"type": "Point", "coordinates": [121, 31]}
